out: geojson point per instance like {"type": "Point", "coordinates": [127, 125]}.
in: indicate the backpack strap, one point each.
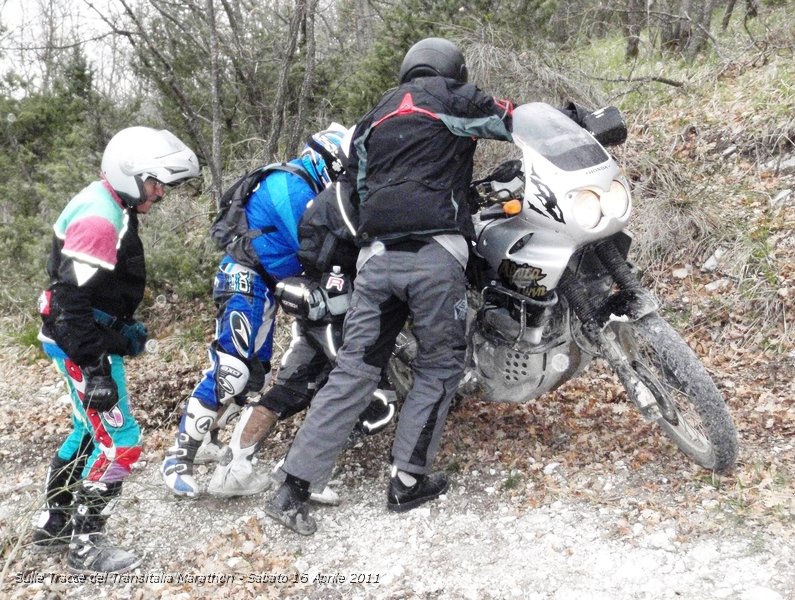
{"type": "Point", "coordinates": [294, 170]}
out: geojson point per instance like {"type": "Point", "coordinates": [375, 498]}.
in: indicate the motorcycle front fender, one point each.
{"type": "Point", "coordinates": [627, 305]}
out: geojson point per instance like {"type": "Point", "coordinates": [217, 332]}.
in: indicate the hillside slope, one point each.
{"type": "Point", "coordinates": [569, 496]}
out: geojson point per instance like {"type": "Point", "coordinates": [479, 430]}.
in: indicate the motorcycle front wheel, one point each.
{"type": "Point", "coordinates": [693, 412]}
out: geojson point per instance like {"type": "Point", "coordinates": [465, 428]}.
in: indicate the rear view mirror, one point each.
{"type": "Point", "coordinates": [507, 171]}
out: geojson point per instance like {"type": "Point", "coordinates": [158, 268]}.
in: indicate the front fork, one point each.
{"type": "Point", "coordinates": [628, 304]}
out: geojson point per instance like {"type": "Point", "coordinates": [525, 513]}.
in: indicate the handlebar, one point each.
{"type": "Point", "coordinates": [504, 183]}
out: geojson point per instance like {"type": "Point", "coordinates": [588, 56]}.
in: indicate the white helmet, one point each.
{"type": "Point", "coordinates": [135, 154]}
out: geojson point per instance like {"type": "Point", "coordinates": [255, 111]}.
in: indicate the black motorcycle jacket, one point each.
{"type": "Point", "coordinates": [327, 232]}
{"type": "Point", "coordinates": [96, 261]}
{"type": "Point", "coordinates": [411, 157]}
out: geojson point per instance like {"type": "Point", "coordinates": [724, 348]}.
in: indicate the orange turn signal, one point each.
{"type": "Point", "coordinates": [512, 208]}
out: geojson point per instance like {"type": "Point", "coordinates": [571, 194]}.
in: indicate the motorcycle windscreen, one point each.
{"type": "Point", "coordinates": [556, 137]}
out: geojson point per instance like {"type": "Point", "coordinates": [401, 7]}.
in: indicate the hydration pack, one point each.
{"type": "Point", "coordinates": [230, 230]}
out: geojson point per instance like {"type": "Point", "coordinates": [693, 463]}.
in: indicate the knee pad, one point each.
{"type": "Point", "coordinates": [285, 401]}
{"type": "Point", "coordinates": [231, 376]}
{"type": "Point", "coordinates": [197, 419]}
{"type": "Point", "coordinates": [260, 376]}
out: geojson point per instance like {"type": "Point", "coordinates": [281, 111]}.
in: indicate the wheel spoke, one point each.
{"type": "Point", "coordinates": [680, 416]}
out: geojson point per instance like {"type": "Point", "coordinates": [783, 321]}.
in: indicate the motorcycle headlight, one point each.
{"type": "Point", "coordinates": [587, 211]}
{"type": "Point", "coordinates": [615, 202]}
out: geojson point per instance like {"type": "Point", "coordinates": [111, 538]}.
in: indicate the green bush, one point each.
{"type": "Point", "coordinates": [180, 256]}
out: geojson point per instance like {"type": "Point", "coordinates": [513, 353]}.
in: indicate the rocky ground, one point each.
{"type": "Point", "coordinates": [572, 496]}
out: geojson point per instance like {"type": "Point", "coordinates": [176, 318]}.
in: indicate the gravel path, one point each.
{"type": "Point", "coordinates": [534, 512]}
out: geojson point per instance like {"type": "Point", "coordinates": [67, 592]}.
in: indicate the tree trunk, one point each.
{"type": "Point", "coordinates": [309, 77]}
{"type": "Point", "coordinates": [701, 27]}
{"type": "Point", "coordinates": [214, 160]}
{"type": "Point", "coordinates": [727, 16]}
{"type": "Point", "coordinates": [279, 103]}
{"type": "Point", "coordinates": [633, 25]}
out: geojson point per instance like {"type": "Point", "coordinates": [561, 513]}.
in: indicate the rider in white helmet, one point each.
{"type": "Point", "coordinates": [97, 278]}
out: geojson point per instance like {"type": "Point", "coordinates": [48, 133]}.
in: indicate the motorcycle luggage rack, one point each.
{"type": "Point", "coordinates": [524, 303]}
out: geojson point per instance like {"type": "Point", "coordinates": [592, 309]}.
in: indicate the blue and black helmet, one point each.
{"type": "Point", "coordinates": [323, 155]}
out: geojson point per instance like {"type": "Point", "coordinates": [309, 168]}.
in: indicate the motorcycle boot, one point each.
{"type": "Point", "coordinates": [54, 527]}
{"type": "Point", "coordinates": [410, 490]}
{"type": "Point", "coordinates": [177, 468]}
{"type": "Point", "coordinates": [289, 506]}
{"type": "Point", "coordinates": [89, 550]}
{"type": "Point", "coordinates": [328, 496]}
{"type": "Point", "coordinates": [53, 530]}
{"type": "Point", "coordinates": [212, 450]}
{"type": "Point", "coordinates": [235, 475]}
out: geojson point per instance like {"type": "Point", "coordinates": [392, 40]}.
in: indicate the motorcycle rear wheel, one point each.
{"type": "Point", "coordinates": [694, 414]}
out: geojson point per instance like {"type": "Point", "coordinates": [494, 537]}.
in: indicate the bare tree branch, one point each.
{"type": "Point", "coordinates": [215, 90]}
{"type": "Point", "coordinates": [277, 113]}
{"type": "Point", "coordinates": [642, 79]}
{"type": "Point", "coordinates": [309, 76]}
{"type": "Point", "coordinates": [168, 80]}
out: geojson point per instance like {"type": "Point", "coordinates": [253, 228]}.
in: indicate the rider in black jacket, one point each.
{"type": "Point", "coordinates": [328, 256]}
{"type": "Point", "coordinates": [411, 162]}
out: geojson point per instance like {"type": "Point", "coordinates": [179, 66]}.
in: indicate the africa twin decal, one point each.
{"type": "Point", "coordinates": [545, 197]}
{"type": "Point", "coordinates": [524, 277]}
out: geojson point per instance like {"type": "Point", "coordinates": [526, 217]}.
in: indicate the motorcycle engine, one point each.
{"type": "Point", "coordinates": [519, 372]}
{"type": "Point", "coordinates": [516, 363]}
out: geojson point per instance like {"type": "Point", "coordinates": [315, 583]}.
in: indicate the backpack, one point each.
{"type": "Point", "coordinates": [327, 232]}
{"type": "Point", "coordinates": [230, 230]}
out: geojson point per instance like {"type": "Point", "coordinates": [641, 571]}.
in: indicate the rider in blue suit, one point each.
{"type": "Point", "coordinates": [246, 309]}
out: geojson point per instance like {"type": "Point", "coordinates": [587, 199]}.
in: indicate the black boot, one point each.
{"type": "Point", "coordinates": [289, 506]}
{"type": "Point", "coordinates": [402, 497]}
{"type": "Point", "coordinates": [89, 550]}
{"type": "Point", "coordinates": [54, 528]}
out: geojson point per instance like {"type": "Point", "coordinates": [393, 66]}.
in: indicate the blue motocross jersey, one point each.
{"type": "Point", "coordinates": [276, 207]}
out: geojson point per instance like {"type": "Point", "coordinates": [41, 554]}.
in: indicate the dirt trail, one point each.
{"type": "Point", "coordinates": [549, 521]}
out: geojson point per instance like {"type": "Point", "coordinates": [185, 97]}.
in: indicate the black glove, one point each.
{"type": "Point", "coordinates": [101, 392]}
{"type": "Point", "coordinates": [136, 335]}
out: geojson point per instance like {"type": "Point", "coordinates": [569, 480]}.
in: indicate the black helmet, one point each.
{"type": "Point", "coordinates": [433, 56]}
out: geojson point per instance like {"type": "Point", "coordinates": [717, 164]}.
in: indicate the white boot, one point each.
{"type": "Point", "coordinates": [211, 450]}
{"type": "Point", "coordinates": [234, 475]}
{"type": "Point", "coordinates": [177, 468]}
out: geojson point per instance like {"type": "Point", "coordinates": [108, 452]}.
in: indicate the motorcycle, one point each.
{"type": "Point", "coordinates": [550, 289]}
